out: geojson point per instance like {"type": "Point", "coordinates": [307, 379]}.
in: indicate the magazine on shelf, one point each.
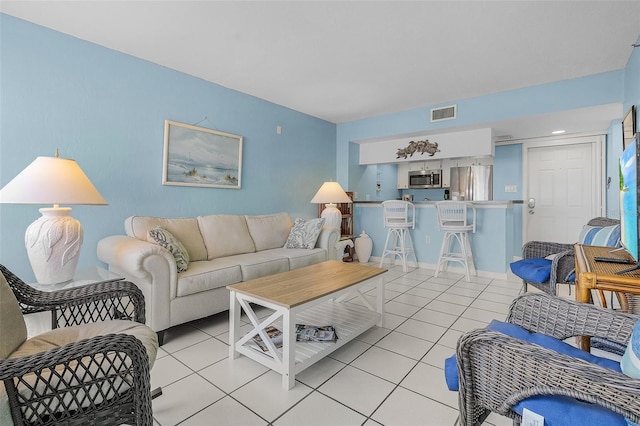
{"type": "Point", "coordinates": [304, 333]}
{"type": "Point", "coordinates": [313, 333]}
{"type": "Point", "coordinates": [274, 334]}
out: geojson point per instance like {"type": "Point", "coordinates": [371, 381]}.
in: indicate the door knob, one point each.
{"type": "Point", "coordinates": [531, 203]}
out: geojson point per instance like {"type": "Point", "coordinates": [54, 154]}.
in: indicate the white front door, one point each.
{"type": "Point", "coordinates": [563, 190]}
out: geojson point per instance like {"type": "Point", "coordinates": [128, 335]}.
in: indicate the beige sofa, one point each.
{"type": "Point", "coordinates": [223, 250]}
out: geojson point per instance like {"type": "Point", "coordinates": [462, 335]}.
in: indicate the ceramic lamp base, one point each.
{"type": "Point", "coordinates": [53, 244]}
{"type": "Point", "coordinates": [332, 216]}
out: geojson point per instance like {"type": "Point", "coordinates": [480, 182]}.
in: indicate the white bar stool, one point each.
{"type": "Point", "coordinates": [454, 221]}
{"type": "Point", "coordinates": [399, 218]}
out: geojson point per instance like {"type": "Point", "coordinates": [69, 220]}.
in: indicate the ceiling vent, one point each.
{"type": "Point", "coordinates": [444, 113]}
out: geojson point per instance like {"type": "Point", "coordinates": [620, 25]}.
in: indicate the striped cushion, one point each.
{"type": "Point", "coordinates": [607, 236]}
{"type": "Point", "coordinates": [630, 362]}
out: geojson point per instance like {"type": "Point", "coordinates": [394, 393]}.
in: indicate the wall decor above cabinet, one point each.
{"type": "Point", "coordinates": [468, 143]}
{"type": "Point", "coordinates": [418, 146]}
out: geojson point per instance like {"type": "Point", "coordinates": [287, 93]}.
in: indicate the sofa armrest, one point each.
{"type": "Point", "coordinates": [327, 239]}
{"type": "Point", "coordinates": [151, 267]}
{"type": "Point", "coordinates": [128, 254]}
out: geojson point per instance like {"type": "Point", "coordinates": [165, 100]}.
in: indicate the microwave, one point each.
{"type": "Point", "coordinates": [425, 179]}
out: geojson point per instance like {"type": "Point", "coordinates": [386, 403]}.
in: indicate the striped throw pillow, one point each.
{"type": "Point", "coordinates": [164, 238]}
{"type": "Point", "coordinates": [630, 363]}
{"type": "Point", "coordinates": [607, 236]}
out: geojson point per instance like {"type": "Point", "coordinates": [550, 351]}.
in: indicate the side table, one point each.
{"type": "Point", "coordinates": [601, 276]}
{"type": "Point", "coordinates": [39, 322]}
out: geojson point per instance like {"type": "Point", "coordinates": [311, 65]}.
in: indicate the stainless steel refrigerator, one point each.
{"type": "Point", "coordinates": [471, 183]}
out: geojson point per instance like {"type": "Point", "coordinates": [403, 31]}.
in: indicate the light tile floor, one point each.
{"type": "Point", "coordinates": [391, 375]}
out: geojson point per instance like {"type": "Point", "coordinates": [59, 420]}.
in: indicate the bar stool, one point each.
{"type": "Point", "coordinates": [453, 220]}
{"type": "Point", "coordinates": [399, 218]}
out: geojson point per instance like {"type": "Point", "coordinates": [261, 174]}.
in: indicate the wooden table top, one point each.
{"type": "Point", "coordinates": [293, 288]}
{"type": "Point", "coordinates": [605, 268]}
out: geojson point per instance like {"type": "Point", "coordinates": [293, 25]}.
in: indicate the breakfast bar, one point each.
{"type": "Point", "coordinates": [497, 240]}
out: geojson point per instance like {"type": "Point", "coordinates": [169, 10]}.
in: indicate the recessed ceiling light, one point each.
{"type": "Point", "coordinates": [558, 132]}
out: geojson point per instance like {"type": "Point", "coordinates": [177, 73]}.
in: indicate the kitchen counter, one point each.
{"type": "Point", "coordinates": [433, 202]}
{"type": "Point", "coordinates": [498, 237]}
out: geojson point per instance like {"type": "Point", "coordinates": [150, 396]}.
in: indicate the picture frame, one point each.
{"type": "Point", "coordinates": [628, 127]}
{"type": "Point", "coordinates": [196, 156]}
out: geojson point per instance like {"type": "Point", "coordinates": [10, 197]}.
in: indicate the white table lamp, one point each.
{"type": "Point", "coordinates": [54, 240]}
{"type": "Point", "coordinates": [329, 194]}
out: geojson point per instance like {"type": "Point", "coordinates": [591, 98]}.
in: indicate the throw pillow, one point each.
{"type": "Point", "coordinates": [304, 233]}
{"type": "Point", "coordinates": [535, 270]}
{"type": "Point", "coordinates": [630, 363]}
{"type": "Point", "coordinates": [607, 236]}
{"type": "Point", "coordinates": [165, 239]}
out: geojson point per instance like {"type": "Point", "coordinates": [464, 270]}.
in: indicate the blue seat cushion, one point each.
{"type": "Point", "coordinates": [557, 410]}
{"type": "Point", "coordinates": [535, 270]}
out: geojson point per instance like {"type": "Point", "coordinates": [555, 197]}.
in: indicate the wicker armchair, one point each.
{"type": "Point", "coordinates": [96, 368]}
{"type": "Point", "coordinates": [497, 371]}
{"type": "Point", "coordinates": [564, 262]}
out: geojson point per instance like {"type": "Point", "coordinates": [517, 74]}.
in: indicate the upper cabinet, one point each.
{"type": "Point", "coordinates": [425, 149]}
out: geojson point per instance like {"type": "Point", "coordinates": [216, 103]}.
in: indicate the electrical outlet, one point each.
{"type": "Point", "coordinates": [427, 239]}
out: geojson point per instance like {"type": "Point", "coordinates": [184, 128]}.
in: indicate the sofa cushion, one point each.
{"type": "Point", "coordinates": [185, 229]}
{"type": "Point", "coordinates": [269, 231]}
{"type": "Point", "coordinates": [304, 233]}
{"type": "Point", "coordinates": [207, 275]}
{"type": "Point", "coordinates": [164, 238]}
{"type": "Point", "coordinates": [261, 264]}
{"type": "Point", "coordinates": [225, 235]}
{"type": "Point", "coordinates": [299, 258]}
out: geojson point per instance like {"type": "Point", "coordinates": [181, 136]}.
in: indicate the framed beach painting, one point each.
{"type": "Point", "coordinates": [195, 156]}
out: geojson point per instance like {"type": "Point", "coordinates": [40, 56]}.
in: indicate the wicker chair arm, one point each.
{"type": "Point", "coordinates": [94, 302]}
{"type": "Point", "coordinates": [563, 318]}
{"type": "Point", "coordinates": [106, 374]}
{"type": "Point", "coordinates": [561, 266]}
{"type": "Point", "coordinates": [497, 371]}
{"type": "Point", "coordinates": [540, 249]}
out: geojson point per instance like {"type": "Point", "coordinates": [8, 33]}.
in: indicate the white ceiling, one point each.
{"type": "Point", "coordinates": [346, 60]}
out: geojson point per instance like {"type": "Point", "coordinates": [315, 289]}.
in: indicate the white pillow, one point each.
{"type": "Point", "coordinates": [304, 233]}
{"type": "Point", "coordinates": [164, 238]}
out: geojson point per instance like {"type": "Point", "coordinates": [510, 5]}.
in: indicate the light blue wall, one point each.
{"type": "Point", "coordinates": [632, 82]}
{"type": "Point", "coordinates": [614, 136]}
{"type": "Point", "coordinates": [107, 110]}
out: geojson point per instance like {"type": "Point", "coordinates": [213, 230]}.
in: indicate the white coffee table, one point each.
{"type": "Point", "coordinates": [315, 295]}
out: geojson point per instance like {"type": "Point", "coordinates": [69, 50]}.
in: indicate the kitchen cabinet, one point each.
{"type": "Point", "coordinates": [403, 176]}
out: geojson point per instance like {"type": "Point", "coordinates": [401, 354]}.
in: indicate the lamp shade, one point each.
{"type": "Point", "coordinates": [51, 180]}
{"type": "Point", "coordinates": [331, 192]}
{"type": "Point", "coordinates": [54, 240]}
